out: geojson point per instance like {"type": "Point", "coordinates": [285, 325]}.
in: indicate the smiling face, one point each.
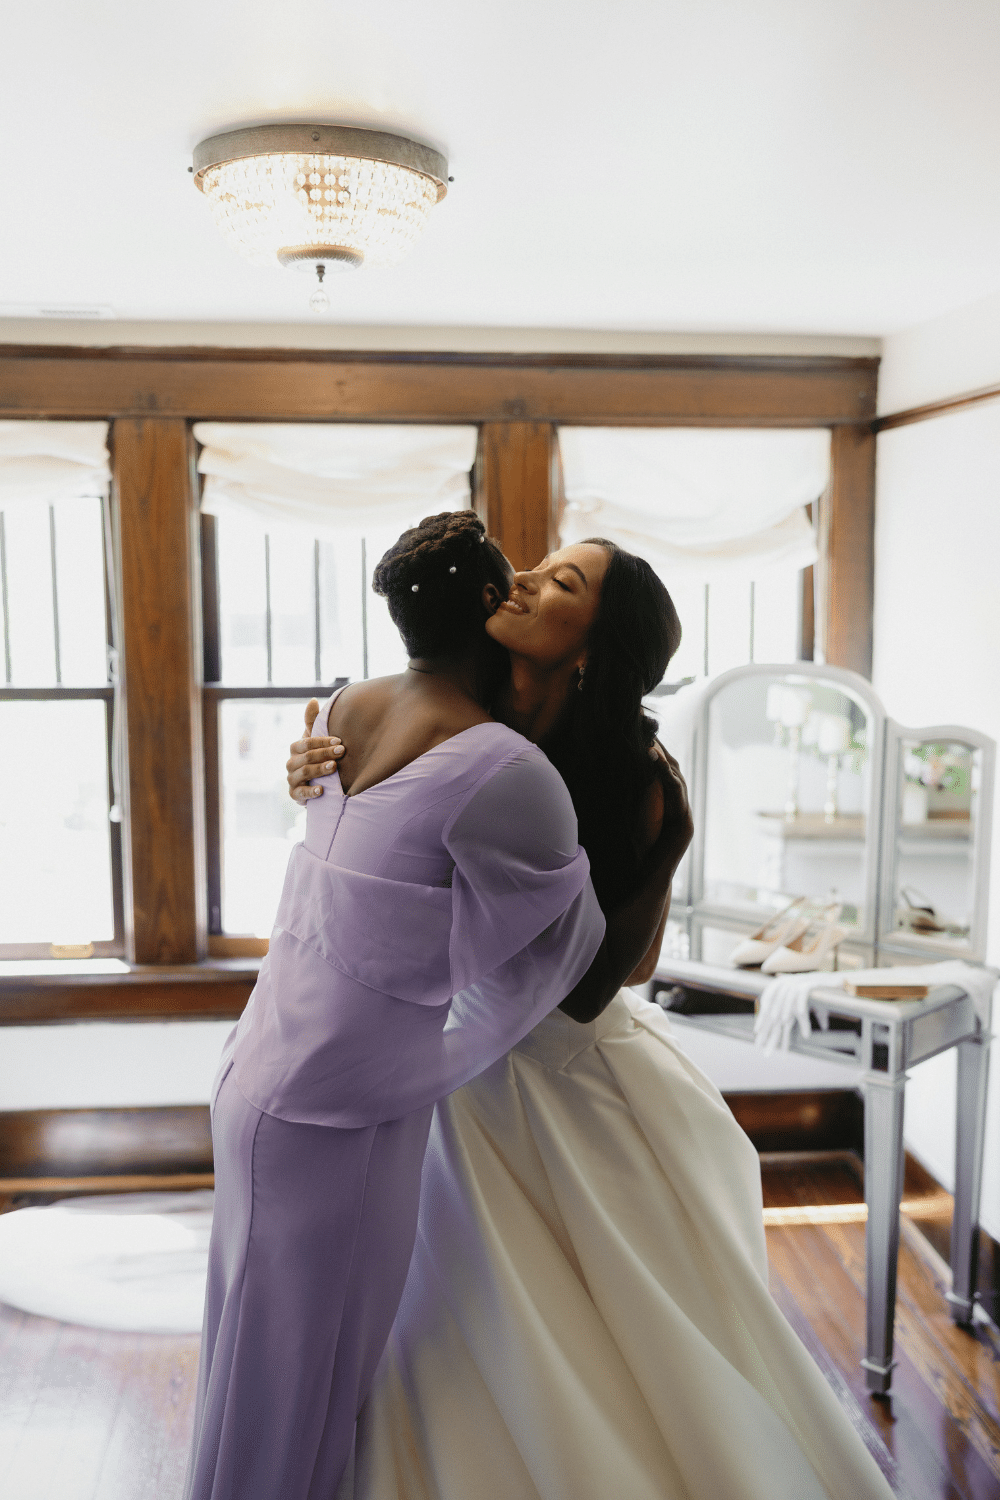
{"type": "Point", "coordinates": [548, 615]}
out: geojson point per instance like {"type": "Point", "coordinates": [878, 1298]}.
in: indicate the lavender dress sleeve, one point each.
{"type": "Point", "coordinates": [521, 820]}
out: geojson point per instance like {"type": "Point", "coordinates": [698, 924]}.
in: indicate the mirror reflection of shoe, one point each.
{"type": "Point", "coordinates": [810, 950]}
{"type": "Point", "coordinates": [918, 915]}
{"type": "Point", "coordinates": [781, 928]}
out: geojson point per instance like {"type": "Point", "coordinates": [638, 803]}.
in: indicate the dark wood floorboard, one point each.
{"type": "Point", "coordinates": [89, 1415]}
{"type": "Point", "coordinates": [940, 1422]}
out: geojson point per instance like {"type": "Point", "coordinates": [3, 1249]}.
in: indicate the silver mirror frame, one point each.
{"type": "Point", "coordinates": [892, 940]}
{"type": "Point", "coordinates": [701, 913]}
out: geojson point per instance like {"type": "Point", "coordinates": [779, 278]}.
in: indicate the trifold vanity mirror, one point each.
{"type": "Point", "coordinates": [801, 787]}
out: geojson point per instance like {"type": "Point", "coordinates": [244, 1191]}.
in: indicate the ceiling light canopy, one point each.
{"type": "Point", "coordinates": [311, 196]}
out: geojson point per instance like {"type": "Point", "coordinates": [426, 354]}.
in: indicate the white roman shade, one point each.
{"type": "Point", "coordinates": [699, 503]}
{"type": "Point", "coordinates": [42, 463]}
{"type": "Point", "coordinates": [334, 477]}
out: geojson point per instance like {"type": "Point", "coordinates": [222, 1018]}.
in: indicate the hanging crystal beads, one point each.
{"type": "Point", "coordinates": [296, 207]}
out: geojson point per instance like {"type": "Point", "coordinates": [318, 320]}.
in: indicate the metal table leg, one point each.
{"type": "Point", "coordinates": [883, 1191]}
{"type": "Point", "coordinates": [973, 1071]}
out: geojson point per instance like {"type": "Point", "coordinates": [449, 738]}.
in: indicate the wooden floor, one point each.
{"type": "Point", "coordinates": [937, 1434]}
{"type": "Point", "coordinates": [104, 1416]}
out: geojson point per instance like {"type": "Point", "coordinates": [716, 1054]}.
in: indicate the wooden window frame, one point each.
{"type": "Point", "coordinates": [153, 396]}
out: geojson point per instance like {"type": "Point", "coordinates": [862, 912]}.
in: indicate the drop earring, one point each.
{"type": "Point", "coordinates": [579, 686]}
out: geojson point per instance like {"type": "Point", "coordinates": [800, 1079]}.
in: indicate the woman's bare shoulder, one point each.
{"type": "Point", "coordinates": [361, 704]}
{"type": "Point", "coordinates": [666, 798]}
{"type": "Point", "coordinates": [651, 814]}
{"type": "Point", "coordinates": [416, 714]}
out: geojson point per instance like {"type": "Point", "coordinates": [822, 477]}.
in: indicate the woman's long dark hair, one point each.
{"type": "Point", "coordinates": [601, 745]}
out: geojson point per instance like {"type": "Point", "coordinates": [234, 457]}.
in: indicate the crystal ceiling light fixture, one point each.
{"type": "Point", "coordinates": [319, 198]}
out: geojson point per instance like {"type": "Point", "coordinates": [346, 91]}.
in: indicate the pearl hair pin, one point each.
{"type": "Point", "coordinates": [452, 569]}
{"type": "Point", "coordinates": [415, 588]}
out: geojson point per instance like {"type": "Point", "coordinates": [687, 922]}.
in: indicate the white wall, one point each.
{"type": "Point", "coordinates": [115, 1066]}
{"type": "Point", "coordinates": [98, 1065]}
{"type": "Point", "coordinates": [947, 357]}
{"type": "Point", "coordinates": [937, 618]}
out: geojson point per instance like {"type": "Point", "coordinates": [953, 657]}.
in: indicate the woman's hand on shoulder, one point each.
{"type": "Point", "coordinates": [313, 755]}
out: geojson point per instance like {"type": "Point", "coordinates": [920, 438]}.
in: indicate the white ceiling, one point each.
{"type": "Point", "coordinates": [782, 166]}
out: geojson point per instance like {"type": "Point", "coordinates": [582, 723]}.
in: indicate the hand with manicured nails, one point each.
{"type": "Point", "coordinates": [311, 756]}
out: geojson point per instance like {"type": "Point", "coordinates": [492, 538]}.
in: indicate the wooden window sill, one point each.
{"type": "Point", "coordinates": [35, 991]}
{"type": "Point", "coordinates": [236, 947]}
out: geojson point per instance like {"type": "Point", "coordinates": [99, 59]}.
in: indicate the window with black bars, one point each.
{"type": "Point", "coordinates": [286, 616]}
{"type": "Point", "coordinates": [61, 870]}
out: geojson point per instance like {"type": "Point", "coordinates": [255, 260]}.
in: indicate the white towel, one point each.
{"type": "Point", "coordinates": [785, 1001]}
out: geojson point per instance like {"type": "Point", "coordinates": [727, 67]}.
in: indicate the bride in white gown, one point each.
{"type": "Point", "coordinates": [586, 1314]}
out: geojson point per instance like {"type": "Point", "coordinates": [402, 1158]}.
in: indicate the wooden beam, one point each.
{"type": "Point", "coordinates": [942, 408]}
{"type": "Point", "coordinates": [517, 487]}
{"type": "Point", "coordinates": [154, 500]}
{"type": "Point", "coordinates": [201, 992]}
{"type": "Point", "coordinates": [302, 386]}
{"type": "Point", "coordinates": [807, 615]}
{"type": "Point", "coordinates": [87, 1143]}
{"type": "Point", "coordinates": [143, 1182]}
{"type": "Point", "coordinates": [847, 560]}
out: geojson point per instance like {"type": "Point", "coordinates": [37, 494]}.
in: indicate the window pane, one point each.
{"type": "Point", "coordinates": [341, 643]}
{"type": "Point", "coordinates": [260, 822]}
{"type": "Point", "coordinates": [293, 607]}
{"type": "Point", "coordinates": [355, 631]}
{"type": "Point", "coordinates": [386, 653]}
{"type": "Point", "coordinates": [55, 872]}
{"type": "Point", "coordinates": [242, 603]}
{"type": "Point", "coordinates": [728, 625]}
{"type": "Point", "coordinates": [689, 602]}
{"type": "Point", "coordinates": [78, 656]}
{"type": "Point", "coordinates": [80, 588]}
{"type": "Point", "coordinates": [776, 616]}
{"type": "Point", "coordinates": [29, 595]}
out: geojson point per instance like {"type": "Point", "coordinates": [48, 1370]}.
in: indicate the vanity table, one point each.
{"type": "Point", "coordinates": [801, 785]}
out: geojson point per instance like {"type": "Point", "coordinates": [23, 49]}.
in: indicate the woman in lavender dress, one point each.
{"type": "Point", "coordinates": [587, 1311]}
{"type": "Point", "coordinates": [444, 858]}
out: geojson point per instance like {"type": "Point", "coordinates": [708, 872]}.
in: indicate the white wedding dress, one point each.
{"type": "Point", "coordinates": [587, 1313]}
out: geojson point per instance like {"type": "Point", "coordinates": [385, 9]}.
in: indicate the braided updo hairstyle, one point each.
{"type": "Point", "coordinates": [433, 579]}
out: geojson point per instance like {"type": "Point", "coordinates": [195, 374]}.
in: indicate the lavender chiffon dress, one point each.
{"type": "Point", "coordinates": [425, 926]}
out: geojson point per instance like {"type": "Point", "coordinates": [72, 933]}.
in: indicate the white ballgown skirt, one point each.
{"type": "Point", "coordinates": [587, 1312]}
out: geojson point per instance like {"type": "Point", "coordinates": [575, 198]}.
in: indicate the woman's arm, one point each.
{"type": "Point", "coordinates": [310, 757]}
{"type": "Point", "coordinates": [634, 930]}
{"type": "Point", "coordinates": [647, 968]}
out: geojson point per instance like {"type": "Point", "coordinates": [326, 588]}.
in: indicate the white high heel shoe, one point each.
{"type": "Point", "coordinates": [782, 928]}
{"type": "Point", "coordinates": [918, 915]}
{"type": "Point", "coordinates": [811, 949]}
